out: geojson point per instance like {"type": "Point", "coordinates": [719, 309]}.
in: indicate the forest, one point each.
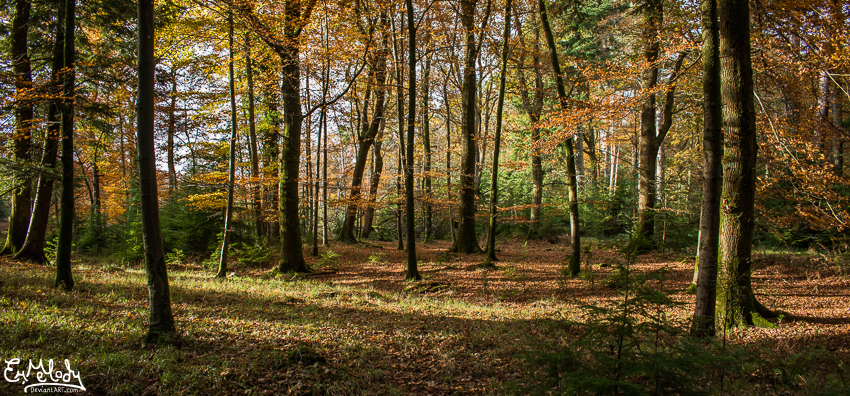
{"type": "Point", "coordinates": [314, 197]}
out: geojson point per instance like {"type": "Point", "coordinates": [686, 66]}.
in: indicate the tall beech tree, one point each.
{"type": "Point", "coordinates": [737, 304]}
{"type": "Point", "coordinates": [161, 327]}
{"type": "Point", "coordinates": [466, 239]}
{"type": "Point", "coordinates": [574, 265]}
{"type": "Point", "coordinates": [712, 143]}
{"type": "Point", "coordinates": [231, 163]}
{"type": "Point", "coordinates": [33, 247]}
{"type": "Point", "coordinates": [412, 269]}
{"type": "Point", "coordinates": [494, 182]}
{"type": "Point", "coordinates": [285, 42]}
{"type": "Point", "coordinates": [66, 216]}
{"type": "Point", "coordinates": [22, 197]}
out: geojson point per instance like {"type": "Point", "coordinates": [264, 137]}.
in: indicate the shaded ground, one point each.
{"type": "Point", "coordinates": [358, 328]}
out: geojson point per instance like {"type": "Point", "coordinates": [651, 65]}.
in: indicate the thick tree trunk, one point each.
{"type": "Point", "coordinates": [33, 248]}
{"type": "Point", "coordinates": [22, 197]}
{"type": "Point", "coordinates": [574, 265]}
{"type": "Point", "coordinates": [161, 326]}
{"type": "Point", "coordinates": [652, 19]}
{"type": "Point", "coordinates": [709, 233]}
{"type": "Point", "coordinates": [374, 183]}
{"type": "Point", "coordinates": [231, 164]}
{"type": "Point", "coordinates": [412, 270]}
{"type": "Point", "coordinates": [494, 182]}
{"type": "Point", "coordinates": [736, 305]}
{"type": "Point", "coordinates": [66, 217]}
{"type": "Point", "coordinates": [466, 240]}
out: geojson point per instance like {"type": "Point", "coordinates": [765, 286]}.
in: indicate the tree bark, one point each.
{"type": "Point", "coordinates": [837, 140]}
{"type": "Point", "coordinates": [494, 182]}
{"type": "Point", "coordinates": [645, 230]}
{"type": "Point", "coordinates": [231, 164]}
{"type": "Point", "coordinates": [376, 83]}
{"type": "Point", "coordinates": [426, 142]}
{"type": "Point", "coordinates": [374, 183]}
{"type": "Point", "coordinates": [22, 197]}
{"type": "Point", "coordinates": [66, 217]}
{"type": "Point", "coordinates": [33, 247]}
{"type": "Point", "coordinates": [574, 265]}
{"type": "Point", "coordinates": [466, 240]}
{"type": "Point", "coordinates": [252, 135]}
{"type": "Point", "coordinates": [412, 270]}
{"type": "Point", "coordinates": [712, 146]}
{"type": "Point", "coordinates": [736, 302]}
{"type": "Point", "coordinates": [172, 129]}
{"type": "Point", "coordinates": [161, 322]}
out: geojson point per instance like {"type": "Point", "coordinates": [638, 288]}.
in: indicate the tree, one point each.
{"type": "Point", "coordinates": [466, 240]}
{"type": "Point", "coordinates": [412, 270]}
{"type": "Point", "coordinates": [231, 165]}
{"type": "Point", "coordinates": [33, 247]}
{"type": "Point", "coordinates": [161, 321]}
{"type": "Point", "coordinates": [494, 182]}
{"type": "Point", "coordinates": [574, 265]}
{"type": "Point", "coordinates": [737, 304]}
{"type": "Point", "coordinates": [286, 45]}
{"type": "Point", "coordinates": [22, 198]}
{"type": "Point", "coordinates": [712, 137]}
{"type": "Point", "coordinates": [66, 217]}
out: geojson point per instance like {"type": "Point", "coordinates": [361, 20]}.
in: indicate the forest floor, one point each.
{"type": "Point", "coordinates": [357, 327]}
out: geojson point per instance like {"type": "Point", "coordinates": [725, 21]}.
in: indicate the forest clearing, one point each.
{"type": "Point", "coordinates": [359, 328]}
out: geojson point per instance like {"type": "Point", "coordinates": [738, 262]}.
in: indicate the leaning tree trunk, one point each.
{"type": "Point", "coordinates": [22, 197]}
{"type": "Point", "coordinates": [33, 248]}
{"type": "Point", "coordinates": [737, 305]}
{"type": "Point", "coordinates": [574, 265]}
{"type": "Point", "coordinates": [494, 182]}
{"type": "Point", "coordinates": [161, 327]}
{"type": "Point", "coordinates": [66, 218]}
{"type": "Point", "coordinates": [709, 233]}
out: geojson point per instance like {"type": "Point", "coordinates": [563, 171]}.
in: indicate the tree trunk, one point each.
{"type": "Point", "coordinates": [494, 182]}
{"type": "Point", "coordinates": [837, 140]}
{"type": "Point", "coordinates": [22, 196]}
{"type": "Point", "coordinates": [426, 142]}
{"type": "Point", "coordinates": [271, 161]}
{"type": "Point", "coordinates": [412, 270]}
{"type": "Point", "coordinates": [645, 231]}
{"type": "Point", "coordinates": [161, 327]}
{"type": "Point", "coordinates": [736, 302]}
{"type": "Point", "coordinates": [449, 196]}
{"type": "Point", "coordinates": [534, 108]}
{"type": "Point", "coordinates": [66, 217]}
{"type": "Point", "coordinates": [231, 164]}
{"type": "Point", "coordinates": [574, 265]}
{"type": "Point", "coordinates": [374, 183]}
{"type": "Point", "coordinates": [377, 82]}
{"type": "Point", "coordinates": [709, 233]}
{"type": "Point", "coordinates": [172, 129]}
{"type": "Point", "coordinates": [466, 240]}
{"type": "Point", "coordinates": [822, 112]}
{"type": "Point", "coordinates": [252, 134]}
{"type": "Point", "coordinates": [33, 247]}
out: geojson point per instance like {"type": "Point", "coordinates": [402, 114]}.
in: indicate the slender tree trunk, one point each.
{"type": "Point", "coordinates": [252, 134]}
{"type": "Point", "coordinates": [374, 183]}
{"type": "Point", "coordinates": [822, 112]}
{"type": "Point", "coordinates": [172, 129]}
{"type": "Point", "coordinates": [377, 83]}
{"type": "Point", "coordinates": [325, 239]}
{"type": "Point", "coordinates": [426, 142]}
{"type": "Point", "coordinates": [398, 57]}
{"type": "Point", "coordinates": [412, 270]}
{"type": "Point", "coordinates": [736, 302]}
{"type": "Point", "coordinates": [231, 165]}
{"type": "Point", "coordinates": [837, 140]}
{"type": "Point", "coordinates": [22, 196]}
{"type": "Point", "coordinates": [33, 248]}
{"type": "Point", "coordinates": [494, 182]}
{"type": "Point", "coordinates": [161, 326]}
{"type": "Point", "coordinates": [449, 196]}
{"type": "Point", "coordinates": [712, 136]}
{"type": "Point", "coordinates": [66, 217]}
{"type": "Point", "coordinates": [574, 265]}
{"type": "Point", "coordinates": [467, 239]}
